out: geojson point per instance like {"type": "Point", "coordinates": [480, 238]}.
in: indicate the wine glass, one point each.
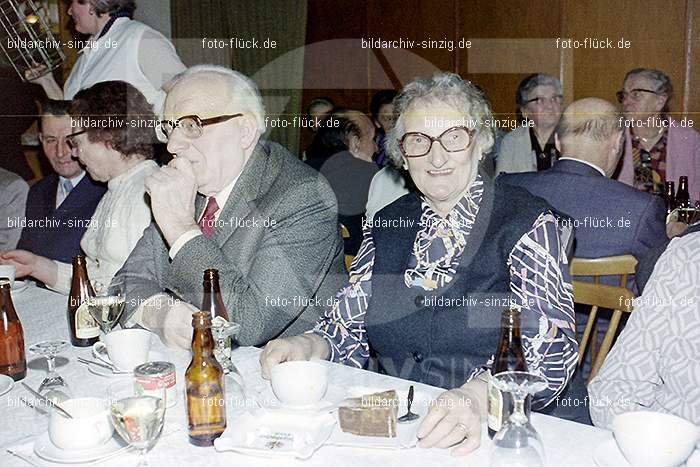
{"type": "Point", "coordinates": [138, 415]}
{"type": "Point", "coordinates": [517, 443]}
{"type": "Point", "coordinates": [107, 306]}
{"type": "Point", "coordinates": [53, 386]}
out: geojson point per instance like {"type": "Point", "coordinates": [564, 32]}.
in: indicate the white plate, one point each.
{"type": "Point", "coordinates": [608, 454]}
{"type": "Point", "coordinates": [6, 384]}
{"type": "Point", "coordinates": [153, 356]}
{"type": "Point", "coordinates": [272, 433]}
{"type": "Point", "coordinates": [44, 448]}
{"type": "Point", "coordinates": [405, 432]}
{"type": "Point", "coordinates": [321, 406]}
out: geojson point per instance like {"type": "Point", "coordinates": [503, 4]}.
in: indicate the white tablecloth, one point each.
{"type": "Point", "coordinates": [43, 315]}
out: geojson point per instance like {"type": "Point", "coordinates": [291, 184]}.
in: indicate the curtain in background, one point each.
{"type": "Point", "coordinates": [248, 30]}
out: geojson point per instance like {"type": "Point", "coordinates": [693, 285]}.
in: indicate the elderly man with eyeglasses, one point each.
{"type": "Point", "coordinates": [658, 148]}
{"type": "Point", "coordinates": [530, 147]}
{"type": "Point", "coordinates": [233, 202]}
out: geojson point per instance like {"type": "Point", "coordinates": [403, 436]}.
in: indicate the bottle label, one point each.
{"type": "Point", "coordinates": [495, 407]}
{"type": "Point", "coordinates": [85, 326]}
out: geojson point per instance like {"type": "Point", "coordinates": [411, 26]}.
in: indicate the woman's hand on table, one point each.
{"type": "Point", "coordinates": [303, 347]}
{"type": "Point", "coordinates": [453, 421]}
{"type": "Point", "coordinates": [24, 261]}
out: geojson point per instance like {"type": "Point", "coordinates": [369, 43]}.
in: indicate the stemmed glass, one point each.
{"type": "Point", "coordinates": [107, 306]}
{"type": "Point", "coordinates": [137, 415]}
{"type": "Point", "coordinates": [517, 443]}
{"type": "Point", "coordinates": [53, 386]}
{"type": "Point", "coordinates": [225, 333]}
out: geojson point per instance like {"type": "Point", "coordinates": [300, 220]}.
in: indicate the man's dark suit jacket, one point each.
{"type": "Point", "coordinates": [646, 264]}
{"type": "Point", "coordinates": [60, 239]}
{"type": "Point", "coordinates": [611, 218]}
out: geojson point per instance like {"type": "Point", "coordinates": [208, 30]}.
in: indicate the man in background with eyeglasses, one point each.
{"type": "Point", "coordinates": [235, 203]}
{"type": "Point", "coordinates": [60, 205]}
{"type": "Point", "coordinates": [658, 147]}
{"type": "Point", "coordinates": [531, 148]}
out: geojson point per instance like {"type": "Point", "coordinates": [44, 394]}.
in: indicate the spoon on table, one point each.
{"type": "Point", "coordinates": [409, 416]}
{"type": "Point", "coordinates": [47, 401]}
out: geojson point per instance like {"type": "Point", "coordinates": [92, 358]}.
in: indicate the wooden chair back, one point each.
{"type": "Point", "coordinates": [617, 298]}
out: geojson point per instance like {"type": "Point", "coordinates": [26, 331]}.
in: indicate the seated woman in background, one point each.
{"type": "Point", "coordinates": [654, 363]}
{"type": "Point", "coordinates": [461, 235]}
{"type": "Point", "coordinates": [530, 148]}
{"type": "Point", "coordinates": [113, 140]}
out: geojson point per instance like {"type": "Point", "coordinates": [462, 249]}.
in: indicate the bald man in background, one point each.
{"type": "Point", "coordinates": [611, 218]}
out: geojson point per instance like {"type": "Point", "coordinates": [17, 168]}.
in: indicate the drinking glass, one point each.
{"type": "Point", "coordinates": [225, 333]}
{"type": "Point", "coordinates": [517, 443]}
{"type": "Point", "coordinates": [53, 386]}
{"type": "Point", "coordinates": [107, 306]}
{"type": "Point", "coordinates": [137, 415]}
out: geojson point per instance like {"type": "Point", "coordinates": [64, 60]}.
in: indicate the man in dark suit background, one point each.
{"type": "Point", "coordinates": [59, 207]}
{"type": "Point", "coordinates": [610, 218]}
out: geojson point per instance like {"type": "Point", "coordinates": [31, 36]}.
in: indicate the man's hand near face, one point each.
{"type": "Point", "coordinates": [173, 190]}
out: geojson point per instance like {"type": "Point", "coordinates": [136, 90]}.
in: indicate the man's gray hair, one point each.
{"type": "Point", "coordinates": [596, 126]}
{"type": "Point", "coordinates": [662, 83]}
{"type": "Point", "coordinates": [445, 88]}
{"type": "Point", "coordinates": [531, 82]}
{"type": "Point", "coordinates": [246, 96]}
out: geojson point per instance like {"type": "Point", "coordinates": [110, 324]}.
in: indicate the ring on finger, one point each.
{"type": "Point", "coordinates": [463, 427]}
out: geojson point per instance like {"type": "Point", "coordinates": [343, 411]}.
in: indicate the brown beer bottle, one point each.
{"type": "Point", "coordinates": [204, 384]}
{"type": "Point", "coordinates": [683, 199]}
{"type": "Point", "coordinates": [212, 301]}
{"type": "Point", "coordinates": [12, 359]}
{"type": "Point", "coordinates": [509, 357]}
{"type": "Point", "coordinates": [84, 330]}
{"type": "Point", "coordinates": [670, 196]}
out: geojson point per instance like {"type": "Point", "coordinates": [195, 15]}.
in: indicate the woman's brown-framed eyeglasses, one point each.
{"type": "Point", "coordinates": [191, 125]}
{"type": "Point", "coordinates": [71, 141]}
{"type": "Point", "coordinates": [416, 144]}
{"type": "Point", "coordinates": [635, 94]}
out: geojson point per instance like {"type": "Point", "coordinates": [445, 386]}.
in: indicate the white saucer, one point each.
{"type": "Point", "coordinates": [6, 384]}
{"type": "Point", "coordinates": [321, 406]}
{"type": "Point", "coordinates": [608, 454]}
{"type": "Point", "coordinates": [153, 356]}
{"type": "Point", "coordinates": [44, 448]}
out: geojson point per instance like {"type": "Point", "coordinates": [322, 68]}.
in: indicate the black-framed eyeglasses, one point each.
{"type": "Point", "coordinates": [192, 126]}
{"type": "Point", "coordinates": [635, 94]}
{"type": "Point", "coordinates": [558, 99]}
{"type": "Point", "coordinates": [71, 141]}
{"type": "Point", "coordinates": [416, 144]}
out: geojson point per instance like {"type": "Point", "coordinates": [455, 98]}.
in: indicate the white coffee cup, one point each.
{"type": "Point", "coordinates": [8, 271]}
{"type": "Point", "coordinates": [299, 382]}
{"type": "Point", "coordinates": [654, 439]}
{"type": "Point", "coordinates": [90, 426]}
{"type": "Point", "coordinates": [127, 348]}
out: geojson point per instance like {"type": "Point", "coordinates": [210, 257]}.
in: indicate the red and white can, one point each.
{"type": "Point", "coordinates": [148, 377]}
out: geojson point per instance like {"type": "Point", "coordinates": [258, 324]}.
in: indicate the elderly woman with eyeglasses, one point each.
{"type": "Point", "coordinates": [433, 274]}
{"type": "Point", "coordinates": [113, 140]}
{"type": "Point", "coordinates": [658, 148]}
{"type": "Point", "coordinates": [530, 147]}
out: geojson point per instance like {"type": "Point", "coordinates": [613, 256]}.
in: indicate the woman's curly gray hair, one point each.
{"type": "Point", "coordinates": [445, 88]}
{"type": "Point", "coordinates": [110, 7]}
